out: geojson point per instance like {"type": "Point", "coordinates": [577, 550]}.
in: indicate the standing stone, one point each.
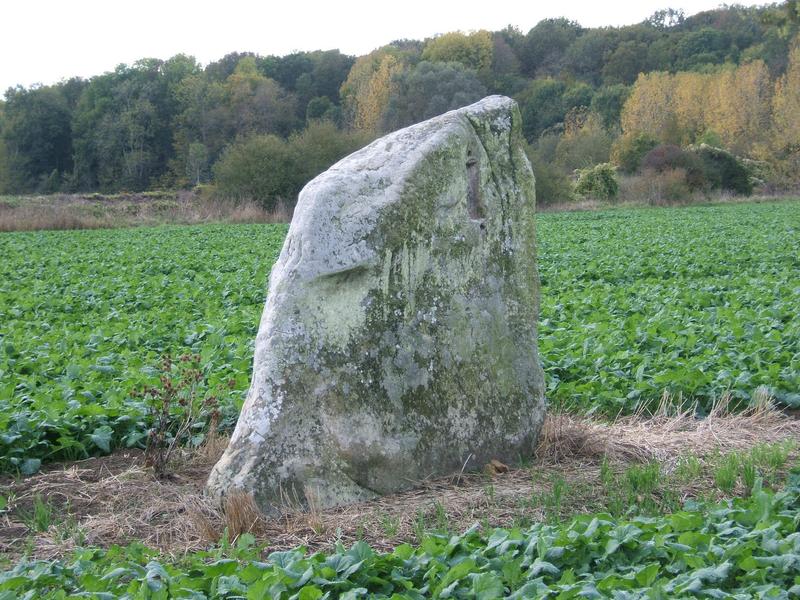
{"type": "Point", "coordinates": [398, 340]}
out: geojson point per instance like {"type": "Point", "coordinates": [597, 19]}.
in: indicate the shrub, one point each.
{"type": "Point", "coordinates": [762, 173]}
{"type": "Point", "coordinates": [629, 151]}
{"type": "Point", "coordinates": [723, 170]}
{"type": "Point", "coordinates": [668, 157]}
{"type": "Point", "coordinates": [584, 144]}
{"type": "Point", "coordinates": [664, 156]}
{"type": "Point", "coordinates": [656, 188]}
{"type": "Point", "coordinates": [784, 172]}
{"type": "Point", "coordinates": [598, 182]}
{"type": "Point", "coordinates": [259, 168]}
{"type": "Point", "coordinates": [552, 186]}
{"type": "Point", "coordinates": [179, 410]}
{"type": "Point", "coordinates": [707, 168]}
{"type": "Point", "coordinates": [272, 171]}
{"type": "Point", "coordinates": [710, 137]}
{"type": "Point", "coordinates": [320, 145]}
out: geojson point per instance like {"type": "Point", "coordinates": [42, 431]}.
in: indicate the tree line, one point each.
{"type": "Point", "coordinates": [260, 127]}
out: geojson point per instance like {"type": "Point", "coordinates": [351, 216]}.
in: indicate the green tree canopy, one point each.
{"type": "Point", "coordinates": [546, 44]}
{"type": "Point", "coordinates": [430, 89]}
{"type": "Point", "coordinates": [37, 135]}
{"type": "Point", "coordinates": [474, 50]}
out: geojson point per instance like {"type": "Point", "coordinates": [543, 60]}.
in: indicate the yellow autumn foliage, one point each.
{"type": "Point", "coordinates": [786, 106]}
{"type": "Point", "coordinates": [368, 88]}
{"type": "Point", "coordinates": [733, 103]}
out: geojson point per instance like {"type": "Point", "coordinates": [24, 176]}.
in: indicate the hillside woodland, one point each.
{"type": "Point", "coordinates": [665, 109]}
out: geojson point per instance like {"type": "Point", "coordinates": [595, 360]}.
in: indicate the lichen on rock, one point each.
{"type": "Point", "coordinates": [398, 339]}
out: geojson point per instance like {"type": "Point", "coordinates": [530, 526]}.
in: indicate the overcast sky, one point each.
{"type": "Point", "coordinates": [45, 41]}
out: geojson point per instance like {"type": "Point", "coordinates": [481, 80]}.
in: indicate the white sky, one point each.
{"type": "Point", "coordinates": [44, 41]}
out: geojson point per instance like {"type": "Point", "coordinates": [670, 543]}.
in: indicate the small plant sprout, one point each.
{"type": "Point", "coordinates": [726, 472]}
{"type": "Point", "coordinates": [607, 476]}
{"type": "Point", "coordinates": [40, 517]}
{"type": "Point", "coordinates": [489, 492]}
{"type": "Point", "coordinates": [554, 500]}
{"type": "Point", "coordinates": [749, 472]}
{"type": "Point", "coordinates": [390, 525]}
{"type": "Point", "coordinates": [442, 521]}
{"type": "Point", "coordinates": [643, 479]}
{"type": "Point", "coordinates": [420, 525]}
{"type": "Point", "coordinates": [688, 469]}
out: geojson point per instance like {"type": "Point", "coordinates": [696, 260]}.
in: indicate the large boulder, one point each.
{"type": "Point", "coordinates": [398, 340]}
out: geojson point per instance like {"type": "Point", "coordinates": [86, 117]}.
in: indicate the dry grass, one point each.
{"type": "Point", "coordinates": [129, 210]}
{"type": "Point", "coordinates": [116, 500]}
{"type": "Point", "coordinates": [632, 196]}
{"type": "Point", "coordinates": [94, 211]}
{"type": "Point", "coordinates": [668, 434]}
{"type": "Point", "coordinates": [573, 205]}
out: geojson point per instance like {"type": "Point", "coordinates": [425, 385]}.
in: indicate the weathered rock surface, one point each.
{"type": "Point", "coordinates": [398, 340]}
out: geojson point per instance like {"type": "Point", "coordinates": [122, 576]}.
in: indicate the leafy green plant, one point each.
{"type": "Point", "coordinates": [680, 305]}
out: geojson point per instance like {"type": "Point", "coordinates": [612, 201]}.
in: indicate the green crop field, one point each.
{"type": "Point", "coordinates": [699, 302]}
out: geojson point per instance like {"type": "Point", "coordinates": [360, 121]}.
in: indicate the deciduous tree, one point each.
{"type": "Point", "coordinates": [650, 108]}
{"type": "Point", "coordinates": [546, 44]}
{"type": "Point", "coordinates": [786, 125]}
{"type": "Point", "coordinates": [786, 105]}
{"type": "Point", "coordinates": [368, 87]}
{"type": "Point", "coordinates": [738, 106]}
{"type": "Point", "coordinates": [38, 138]}
{"type": "Point", "coordinates": [430, 89]}
{"type": "Point", "coordinates": [474, 50]}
